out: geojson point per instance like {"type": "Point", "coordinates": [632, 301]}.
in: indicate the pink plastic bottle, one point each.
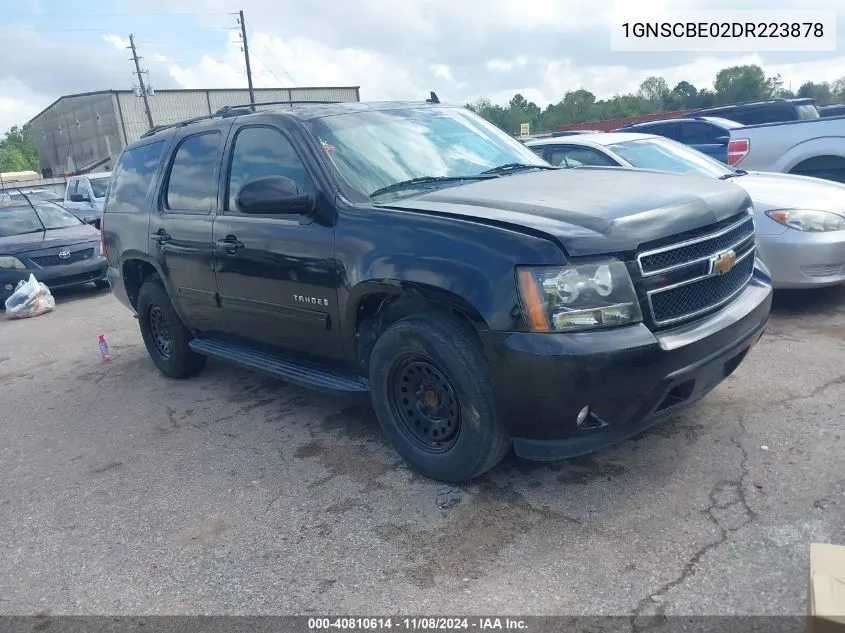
{"type": "Point", "coordinates": [104, 348]}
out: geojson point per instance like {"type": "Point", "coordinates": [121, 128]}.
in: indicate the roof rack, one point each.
{"type": "Point", "coordinates": [227, 112]}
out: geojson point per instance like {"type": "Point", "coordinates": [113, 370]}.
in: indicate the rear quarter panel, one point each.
{"type": "Point", "coordinates": [779, 147]}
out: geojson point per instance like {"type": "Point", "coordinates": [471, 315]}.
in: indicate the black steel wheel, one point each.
{"type": "Point", "coordinates": [425, 404]}
{"type": "Point", "coordinates": [165, 336]}
{"type": "Point", "coordinates": [160, 330]}
{"type": "Point", "coordinates": [433, 396]}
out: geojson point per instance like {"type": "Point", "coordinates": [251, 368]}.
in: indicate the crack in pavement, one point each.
{"type": "Point", "coordinates": [817, 391]}
{"type": "Point", "coordinates": [726, 494]}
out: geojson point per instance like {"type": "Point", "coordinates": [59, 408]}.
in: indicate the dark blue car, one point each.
{"type": "Point", "coordinates": [709, 135]}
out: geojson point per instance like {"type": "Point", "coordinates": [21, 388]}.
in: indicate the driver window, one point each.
{"type": "Point", "coordinates": [578, 156]}
{"type": "Point", "coordinates": [260, 152]}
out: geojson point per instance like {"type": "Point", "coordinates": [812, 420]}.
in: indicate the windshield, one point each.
{"type": "Point", "coordinates": [372, 150]}
{"type": "Point", "coordinates": [21, 219]}
{"type": "Point", "coordinates": [666, 155]}
{"type": "Point", "coordinates": [99, 186]}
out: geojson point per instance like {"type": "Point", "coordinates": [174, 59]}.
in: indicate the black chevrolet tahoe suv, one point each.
{"type": "Point", "coordinates": [483, 298]}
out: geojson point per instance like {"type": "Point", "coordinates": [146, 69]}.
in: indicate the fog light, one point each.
{"type": "Point", "coordinates": [582, 415]}
{"type": "Point", "coordinates": [8, 287]}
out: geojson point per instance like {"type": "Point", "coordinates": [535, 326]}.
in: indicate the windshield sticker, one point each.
{"type": "Point", "coordinates": [327, 146]}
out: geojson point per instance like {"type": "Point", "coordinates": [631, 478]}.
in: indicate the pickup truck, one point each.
{"type": "Point", "coordinates": [414, 252]}
{"type": "Point", "coordinates": [86, 195]}
{"type": "Point", "coordinates": [807, 148]}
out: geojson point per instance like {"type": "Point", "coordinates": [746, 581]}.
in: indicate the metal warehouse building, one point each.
{"type": "Point", "coordinates": [86, 132]}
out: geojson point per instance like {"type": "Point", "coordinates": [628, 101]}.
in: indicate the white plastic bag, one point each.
{"type": "Point", "coordinates": [29, 299]}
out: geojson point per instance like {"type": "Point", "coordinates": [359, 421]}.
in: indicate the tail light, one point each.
{"type": "Point", "coordinates": [103, 235]}
{"type": "Point", "coordinates": [737, 150]}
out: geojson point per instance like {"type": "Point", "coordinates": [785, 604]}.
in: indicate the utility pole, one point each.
{"type": "Point", "coordinates": [245, 49]}
{"type": "Point", "coordinates": [136, 59]}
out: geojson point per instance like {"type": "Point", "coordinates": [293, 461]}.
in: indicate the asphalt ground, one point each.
{"type": "Point", "coordinates": [124, 492]}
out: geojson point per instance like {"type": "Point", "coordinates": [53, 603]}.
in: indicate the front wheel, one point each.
{"type": "Point", "coordinates": [164, 334]}
{"type": "Point", "coordinates": [433, 397]}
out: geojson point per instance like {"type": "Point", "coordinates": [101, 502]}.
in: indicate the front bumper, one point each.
{"type": "Point", "coordinates": [630, 377]}
{"type": "Point", "coordinates": [804, 260]}
{"type": "Point", "coordinates": [55, 277]}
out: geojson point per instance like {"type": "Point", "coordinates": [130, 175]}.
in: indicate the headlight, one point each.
{"type": "Point", "coordinates": [808, 220]}
{"type": "Point", "coordinates": [11, 262]}
{"type": "Point", "coordinates": [580, 297]}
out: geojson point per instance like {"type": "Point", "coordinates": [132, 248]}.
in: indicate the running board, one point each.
{"type": "Point", "coordinates": [293, 372]}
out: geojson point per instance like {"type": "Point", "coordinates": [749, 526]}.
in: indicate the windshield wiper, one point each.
{"type": "Point", "coordinates": [738, 172]}
{"type": "Point", "coordinates": [516, 167]}
{"type": "Point", "coordinates": [425, 180]}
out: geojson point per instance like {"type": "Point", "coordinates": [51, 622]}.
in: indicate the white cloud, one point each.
{"type": "Point", "coordinates": [116, 41]}
{"type": "Point", "coordinates": [461, 50]}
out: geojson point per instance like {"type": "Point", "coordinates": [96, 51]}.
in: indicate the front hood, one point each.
{"type": "Point", "coordinates": [48, 239]}
{"type": "Point", "coordinates": [589, 210]}
{"type": "Point", "coordinates": [786, 191]}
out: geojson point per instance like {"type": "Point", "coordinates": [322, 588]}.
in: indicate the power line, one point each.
{"type": "Point", "coordinates": [284, 70]}
{"type": "Point", "coordinates": [269, 70]}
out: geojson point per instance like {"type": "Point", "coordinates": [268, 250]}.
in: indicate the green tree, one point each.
{"type": "Point", "coordinates": [17, 150]}
{"type": "Point", "coordinates": [685, 94]}
{"type": "Point", "coordinates": [823, 93]}
{"type": "Point", "coordinates": [745, 83]}
{"type": "Point", "coordinates": [655, 91]}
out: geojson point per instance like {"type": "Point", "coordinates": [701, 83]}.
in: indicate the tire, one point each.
{"type": "Point", "coordinates": [438, 363]}
{"type": "Point", "coordinates": [159, 322]}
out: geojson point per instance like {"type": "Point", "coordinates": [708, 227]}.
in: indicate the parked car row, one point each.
{"type": "Point", "coordinates": [780, 135]}
{"type": "Point", "coordinates": [799, 220]}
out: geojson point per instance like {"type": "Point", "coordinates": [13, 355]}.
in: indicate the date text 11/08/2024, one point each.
{"type": "Point", "coordinates": [416, 624]}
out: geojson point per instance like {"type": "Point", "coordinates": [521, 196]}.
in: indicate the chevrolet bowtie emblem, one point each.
{"type": "Point", "coordinates": [723, 262]}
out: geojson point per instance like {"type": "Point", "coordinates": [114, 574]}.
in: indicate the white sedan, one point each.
{"type": "Point", "coordinates": [800, 220]}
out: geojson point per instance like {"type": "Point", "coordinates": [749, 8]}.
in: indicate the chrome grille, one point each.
{"type": "Point", "coordinates": [72, 258]}
{"type": "Point", "coordinates": [683, 281]}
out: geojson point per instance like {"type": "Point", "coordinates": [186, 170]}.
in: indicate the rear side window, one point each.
{"type": "Point", "coordinates": [192, 185]}
{"type": "Point", "coordinates": [669, 130]}
{"type": "Point", "coordinates": [807, 111]}
{"type": "Point", "coordinates": [132, 178]}
{"type": "Point", "coordinates": [764, 114]}
{"type": "Point", "coordinates": [700, 133]}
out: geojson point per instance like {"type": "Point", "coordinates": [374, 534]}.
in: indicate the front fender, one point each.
{"type": "Point", "coordinates": [466, 263]}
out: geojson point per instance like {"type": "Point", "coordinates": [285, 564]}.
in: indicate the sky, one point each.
{"type": "Point", "coordinates": [392, 49]}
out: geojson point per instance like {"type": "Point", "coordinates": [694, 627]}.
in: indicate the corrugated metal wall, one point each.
{"type": "Point", "coordinates": [172, 106]}
{"type": "Point", "coordinates": [77, 132]}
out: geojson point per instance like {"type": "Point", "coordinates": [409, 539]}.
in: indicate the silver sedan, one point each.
{"type": "Point", "coordinates": [800, 220]}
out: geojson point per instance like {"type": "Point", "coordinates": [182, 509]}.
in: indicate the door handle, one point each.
{"type": "Point", "coordinates": [230, 244]}
{"type": "Point", "coordinates": [161, 237]}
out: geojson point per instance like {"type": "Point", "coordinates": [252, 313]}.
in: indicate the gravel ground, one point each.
{"type": "Point", "coordinates": [123, 492]}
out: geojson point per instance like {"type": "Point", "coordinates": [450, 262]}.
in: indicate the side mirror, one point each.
{"type": "Point", "coordinates": [92, 221]}
{"type": "Point", "coordinates": [723, 140]}
{"type": "Point", "coordinates": [77, 197]}
{"type": "Point", "coordinates": [272, 195]}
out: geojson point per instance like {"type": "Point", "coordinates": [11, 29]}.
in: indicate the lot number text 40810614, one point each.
{"type": "Point", "coordinates": [417, 624]}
